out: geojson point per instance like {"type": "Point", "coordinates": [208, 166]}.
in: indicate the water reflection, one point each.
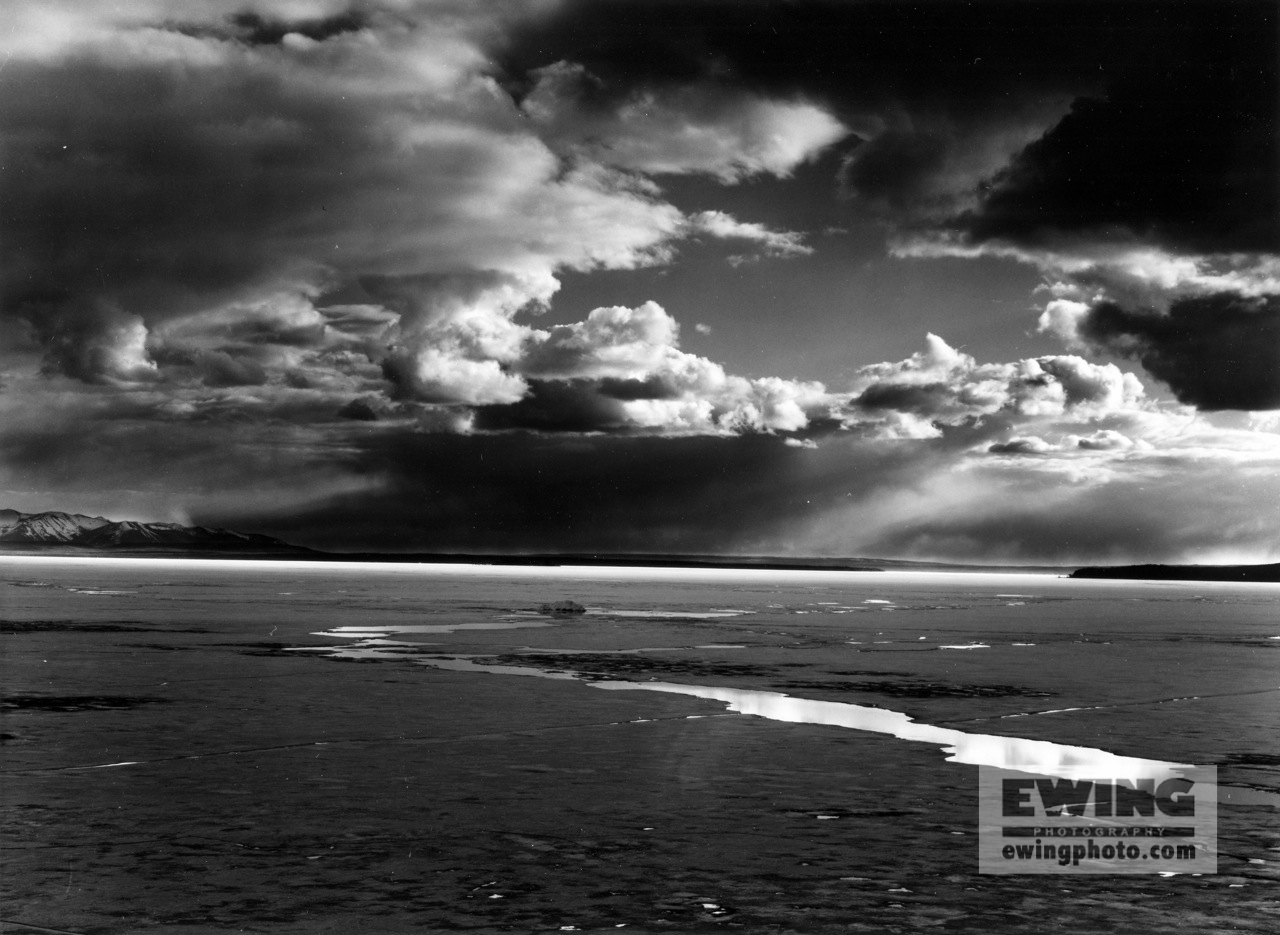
{"type": "Point", "coordinates": [361, 633]}
{"type": "Point", "coordinates": [1038, 756]}
{"type": "Point", "coordinates": [464, 664]}
{"type": "Point", "coordinates": [1034, 756]}
{"type": "Point", "coordinates": [666, 614]}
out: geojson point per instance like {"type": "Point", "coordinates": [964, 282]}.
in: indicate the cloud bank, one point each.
{"type": "Point", "coordinates": [1127, 150]}
{"type": "Point", "coordinates": [294, 266]}
{"type": "Point", "coordinates": [179, 163]}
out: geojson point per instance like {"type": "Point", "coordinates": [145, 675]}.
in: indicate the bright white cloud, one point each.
{"type": "Point", "coordinates": [385, 153]}
{"type": "Point", "coordinates": [729, 134]}
{"type": "Point", "coordinates": [771, 243]}
{"type": "Point", "coordinates": [946, 386]}
{"type": "Point", "coordinates": [1061, 318]}
{"type": "Point", "coordinates": [1102, 440]}
{"type": "Point", "coordinates": [446, 374]}
{"type": "Point", "coordinates": [611, 342]}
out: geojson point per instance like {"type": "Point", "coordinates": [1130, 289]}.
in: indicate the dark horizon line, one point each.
{"type": "Point", "coordinates": [532, 558]}
{"type": "Point", "coordinates": [1258, 573]}
{"type": "Point", "coordinates": [257, 546]}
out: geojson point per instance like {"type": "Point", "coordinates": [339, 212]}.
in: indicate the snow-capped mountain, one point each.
{"type": "Point", "coordinates": [48, 528]}
{"type": "Point", "coordinates": [96, 532]}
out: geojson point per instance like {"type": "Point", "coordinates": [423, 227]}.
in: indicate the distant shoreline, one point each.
{"type": "Point", "coordinates": [1260, 573]}
{"type": "Point", "coordinates": [622, 560]}
{"type": "Point", "coordinates": [1150, 572]}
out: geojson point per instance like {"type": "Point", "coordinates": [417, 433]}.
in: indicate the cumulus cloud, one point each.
{"type": "Point", "coordinates": [612, 342]}
{"type": "Point", "coordinates": [455, 336]}
{"type": "Point", "coordinates": [191, 168]}
{"type": "Point", "coordinates": [1206, 326]}
{"type": "Point", "coordinates": [943, 386]}
{"type": "Point", "coordinates": [622, 368]}
{"type": "Point", "coordinates": [573, 464]}
{"type": "Point", "coordinates": [1101, 440]}
{"type": "Point", "coordinates": [445, 374]}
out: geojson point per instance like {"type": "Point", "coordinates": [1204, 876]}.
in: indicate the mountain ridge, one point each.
{"type": "Point", "coordinates": [56, 528]}
{"type": "Point", "coordinates": [53, 530]}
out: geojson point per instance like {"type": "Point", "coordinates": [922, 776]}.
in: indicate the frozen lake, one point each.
{"type": "Point", "coordinates": [249, 705]}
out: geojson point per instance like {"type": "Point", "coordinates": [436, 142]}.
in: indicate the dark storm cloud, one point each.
{"type": "Point", "coordinates": [1172, 136]}
{"type": "Point", "coordinates": [1219, 351]}
{"type": "Point", "coordinates": [580, 405]}
{"type": "Point", "coordinates": [936, 97]}
{"type": "Point", "coordinates": [656, 386]}
{"type": "Point", "coordinates": [1030, 445]}
{"type": "Point", "coordinates": [928, 399]}
{"type": "Point", "coordinates": [141, 189]}
{"type": "Point", "coordinates": [517, 492]}
{"type": "Point", "coordinates": [156, 458]}
{"type": "Point", "coordinates": [557, 406]}
{"type": "Point", "coordinates": [261, 30]}
{"type": "Point", "coordinates": [1183, 156]}
{"type": "Point", "coordinates": [752, 494]}
{"type": "Point", "coordinates": [867, 52]}
{"type": "Point", "coordinates": [891, 170]}
{"type": "Point", "coordinates": [360, 410]}
{"type": "Point", "coordinates": [253, 28]}
{"type": "Point", "coordinates": [218, 368]}
{"type": "Point", "coordinates": [116, 169]}
{"type": "Point", "coordinates": [252, 332]}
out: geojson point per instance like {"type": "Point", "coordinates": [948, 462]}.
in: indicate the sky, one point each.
{"type": "Point", "coordinates": [984, 281]}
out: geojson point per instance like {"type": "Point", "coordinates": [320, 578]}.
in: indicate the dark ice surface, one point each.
{"type": "Point", "coordinates": [204, 746]}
